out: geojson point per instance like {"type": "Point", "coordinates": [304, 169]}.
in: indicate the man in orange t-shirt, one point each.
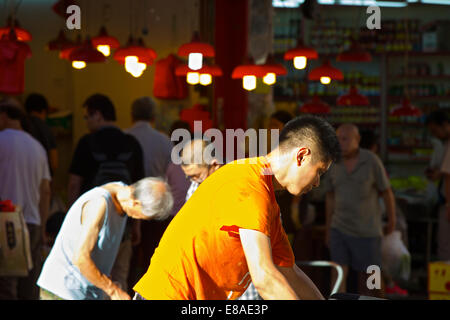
{"type": "Point", "coordinates": [229, 233]}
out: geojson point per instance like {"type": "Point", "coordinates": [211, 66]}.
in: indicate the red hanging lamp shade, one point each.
{"type": "Point", "coordinates": [352, 98]}
{"type": "Point", "coordinates": [135, 48]}
{"type": "Point", "coordinates": [271, 66]}
{"type": "Point", "coordinates": [326, 70]}
{"type": "Point", "coordinates": [406, 109]}
{"type": "Point", "coordinates": [354, 54]}
{"type": "Point", "coordinates": [197, 112]}
{"type": "Point", "coordinates": [197, 46]}
{"type": "Point", "coordinates": [301, 51]}
{"type": "Point", "coordinates": [59, 43]}
{"type": "Point", "coordinates": [22, 34]}
{"type": "Point", "coordinates": [315, 106]}
{"type": "Point", "coordinates": [87, 53]}
{"type": "Point", "coordinates": [248, 68]}
{"type": "Point", "coordinates": [104, 38]}
{"type": "Point", "coordinates": [65, 52]}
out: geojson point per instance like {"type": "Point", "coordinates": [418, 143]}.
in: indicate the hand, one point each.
{"type": "Point", "coordinates": [118, 294]}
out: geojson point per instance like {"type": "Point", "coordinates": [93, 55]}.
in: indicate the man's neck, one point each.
{"type": "Point", "coordinates": [273, 160]}
{"type": "Point", "coordinates": [14, 124]}
{"type": "Point", "coordinates": [351, 156]}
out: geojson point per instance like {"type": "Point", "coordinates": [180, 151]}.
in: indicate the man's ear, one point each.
{"type": "Point", "coordinates": [301, 153]}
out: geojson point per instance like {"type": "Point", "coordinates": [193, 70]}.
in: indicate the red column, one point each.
{"type": "Point", "coordinates": [231, 37]}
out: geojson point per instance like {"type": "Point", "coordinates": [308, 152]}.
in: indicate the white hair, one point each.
{"type": "Point", "coordinates": [155, 197]}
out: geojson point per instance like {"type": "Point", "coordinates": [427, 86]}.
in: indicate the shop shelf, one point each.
{"type": "Point", "coordinates": [419, 77]}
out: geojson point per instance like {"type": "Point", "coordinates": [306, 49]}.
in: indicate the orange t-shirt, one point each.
{"type": "Point", "coordinates": [200, 255]}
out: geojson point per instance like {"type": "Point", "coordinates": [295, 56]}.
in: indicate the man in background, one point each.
{"type": "Point", "coordinates": [353, 212]}
{"type": "Point", "coordinates": [25, 180]}
{"type": "Point", "coordinates": [439, 126]}
{"type": "Point", "coordinates": [79, 264]}
{"type": "Point", "coordinates": [37, 108]}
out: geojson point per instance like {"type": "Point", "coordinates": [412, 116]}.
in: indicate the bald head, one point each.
{"type": "Point", "coordinates": [349, 138]}
{"type": "Point", "coordinates": [194, 153]}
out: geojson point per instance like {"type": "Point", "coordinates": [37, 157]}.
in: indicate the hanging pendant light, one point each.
{"type": "Point", "coordinates": [405, 109]}
{"type": "Point", "coordinates": [248, 72]}
{"type": "Point", "coordinates": [65, 52]}
{"type": "Point", "coordinates": [104, 42]}
{"type": "Point", "coordinates": [59, 43]}
{"type": "Point", "coordinates": [325, 73]}
{"type": "Point", "coordinates": [202, 76]}
{"type": "Point", "coordinates": [352, 98]}
{"type": "Point", "coordinates": [272, 69]}
{"type": "Point", "coordinates": [22, 34]}
{"type": "Point", "coordinates": [300, 55]}
{"type": "Point", "coordinates": [85, 54]}
{"type": "Point", "coordinates": [195, 51]}
{"type": "Point", "coordinates": [315, 106]}
{"type": "Point", "coordinates": [135, 56]}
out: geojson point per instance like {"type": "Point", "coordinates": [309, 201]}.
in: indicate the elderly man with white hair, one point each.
{"type": "Point", "coordinates": [83, 255]}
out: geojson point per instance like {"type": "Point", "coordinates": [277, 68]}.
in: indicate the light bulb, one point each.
{"type": "Point", "coordinates": [195, 61]}
{"type": "Point", "coordinates": [300, 62]}
{"type": "Point", "coordinates": [78, 64]}
{"type": "Point", "coordinates": [270, 78]}
{"type": "Point", "coordinates": [325, 80]}
{"type": "Point", "coordinates": [249, 82]}
{"type": "Point", "coordinates": [105, 49]}
{"type": "Point", "coordinates": [138, 69]}
{"type": "Point", "coordinates": [131, 63]}
{"type": "Point", "coordinates": [205, 79]}
{"type": "Point", "coordinates": [192, 78]}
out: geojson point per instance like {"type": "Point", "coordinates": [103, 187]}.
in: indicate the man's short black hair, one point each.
{"type": "Point", "coordinates": [36, 102]}
{"type": "Point", "coordinates": [282, 116]}
{"type": "Point", "coordinates": [314, 132]}
{"type": "Point", "coordinates": [101, 103]}
{"type": "Point", "coordinates": [12, 111]}
{"type": "Point", "coordinates": [438, 117]}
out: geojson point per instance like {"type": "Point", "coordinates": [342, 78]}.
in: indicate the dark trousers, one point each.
{"type": "Point", "coordinates": [25, 288]}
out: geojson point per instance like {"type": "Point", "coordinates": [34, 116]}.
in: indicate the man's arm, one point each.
{"type": "Point", "coordinates": [329, 209]}
{"type": "Point", "coordinates": [44, 204]}
{"type": "Point", "coordinates": [74, 188]}
{"type": "Point", "coordinates": [301, 283]}
{"type": "Point", "coordinates": [92, 217]}
{"type": "Point", "coordinates": [266, 277]}
{"type": "Point", "coordinates": [389, 202]}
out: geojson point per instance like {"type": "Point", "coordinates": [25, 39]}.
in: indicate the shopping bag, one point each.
{"type": "Point", "coordinates": [396, 259]}
{"type": "Point", "coordinates": [15, 251]}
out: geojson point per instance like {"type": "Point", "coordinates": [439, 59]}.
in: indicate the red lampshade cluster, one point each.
{"type": "Point", "coordinates": [197, 71]}
{"type": "Point", "coordinates": [22, 34]}
{"type": "Point", "coordinates": [352, 98]}
{"type": "Point", "coordinates": [406, 109]}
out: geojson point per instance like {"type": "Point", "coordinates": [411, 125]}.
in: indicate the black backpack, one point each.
{"type": "Point", "coordinates": [110, 169]}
